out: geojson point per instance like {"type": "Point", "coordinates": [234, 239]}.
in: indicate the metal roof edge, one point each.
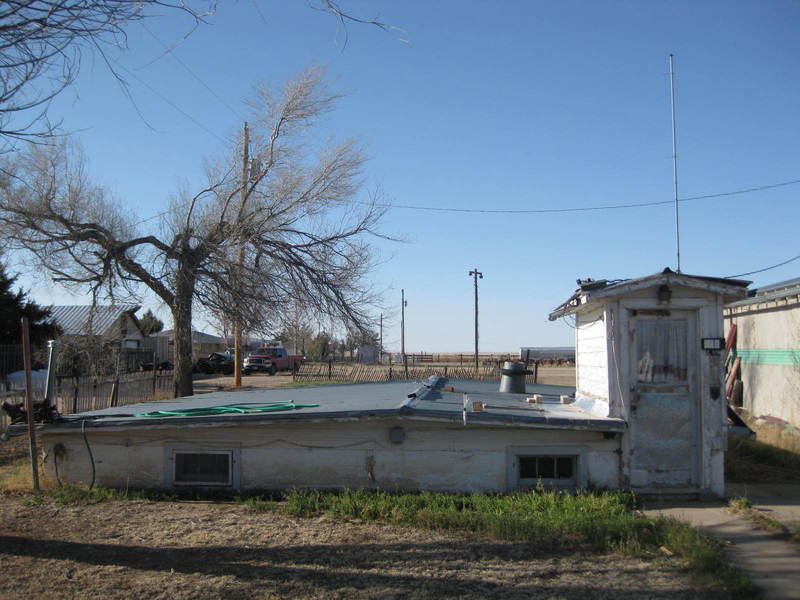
{"type": "Point", "coordinates": [581, 297]}
{"type": "Point", "coordinates": [486, 419]}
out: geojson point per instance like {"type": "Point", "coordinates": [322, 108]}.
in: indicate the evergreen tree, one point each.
{"type": "Point", "coordinates": [14, 306]}
{"type": "Point", "coordinates": [150, 323]}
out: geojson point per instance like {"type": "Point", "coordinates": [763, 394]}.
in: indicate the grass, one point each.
{"type": "Point", "coordinates": [794, 532]}
{"type": "Point", "coordinates": [596, 521]}
{"type": "Point", "coordinates": [754, 461]}
{"type": "Point", "coordinates": [745, 508]}
{"type": "Point", "coordinates": [599, 521]}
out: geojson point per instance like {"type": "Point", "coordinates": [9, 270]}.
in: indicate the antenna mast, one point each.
{"type": "Point", "coordinates": [675, 165]}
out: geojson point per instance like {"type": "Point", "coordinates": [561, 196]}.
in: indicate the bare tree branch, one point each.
{"type": "Point", "coordinates": [41, 46]}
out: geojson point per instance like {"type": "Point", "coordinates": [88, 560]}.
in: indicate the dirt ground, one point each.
{"type": "Point", "coordinates": [141, 549]}
{"type": "Point", "coordinates": [214, 383]}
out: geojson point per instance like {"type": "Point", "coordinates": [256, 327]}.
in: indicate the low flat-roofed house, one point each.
{"type": "Point", "coordinates": [649, 352]}
{"type": "Point", "coordinates": [647, 414]}
{"type": "Point", "coordinates": [111, 322]}
{"type": "Point", "coordinates": [766, 350]}
{"type": "Point", "coordinates": [441, 434]}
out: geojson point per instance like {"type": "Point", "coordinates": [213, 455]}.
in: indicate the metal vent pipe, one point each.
{"type": "Point", "coordinates": [512, 380]}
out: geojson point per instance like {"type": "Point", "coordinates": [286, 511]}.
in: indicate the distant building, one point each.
{"type": "Point", "coordinates": [547, 352]}
{"type": "Point", "coordinates": [367, 354]}
{"type": "Point", "coordinates": [113, 322]}
{"type": "Point", "coordinates": [203, 343]}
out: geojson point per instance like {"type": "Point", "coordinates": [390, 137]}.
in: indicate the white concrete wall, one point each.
{"type": "Point", "coordinates": [591, 357]}
{"type": "Point", "coordinates": [334, 455]}
{"type": "Point", "coordinates": [770, 385]}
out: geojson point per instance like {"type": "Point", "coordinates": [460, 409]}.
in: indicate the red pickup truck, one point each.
{"type": "Point", "coordinates": [270, 360]}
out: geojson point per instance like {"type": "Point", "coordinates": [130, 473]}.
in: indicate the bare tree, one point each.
{"type": "Point", "coordinates": [291, 232]}
{"type": "Point", "coordinates": [41, 42]}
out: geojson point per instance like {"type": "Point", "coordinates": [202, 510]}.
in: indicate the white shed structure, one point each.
{"type": "Point", "coordinates": [649, 352]}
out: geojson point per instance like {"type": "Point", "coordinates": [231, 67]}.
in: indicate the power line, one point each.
{"type": "Point", "coordinates": [559, 210]}
{"type": "Point", "coordinates": [169, 50]}
{"type": "Point", "coordinates": [582, 208]}
{"type": "Point", "coordinates": [780, 264]}
{"type": "Point", "coordinates": [173, 105]}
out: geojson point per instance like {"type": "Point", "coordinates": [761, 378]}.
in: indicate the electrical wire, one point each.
{"type": "Point", "coordinates": [173, 105]}
{"type": "Point", "coordinates": [169, 51]}
{"type": "Point", "coordinates": [780, 264]}
{"type": "Point", "coordinates": [583, 208]}
{"type": "Point", "coordinates": [545, 210]}
{"type": "Point", "coordinates": [91, 456]}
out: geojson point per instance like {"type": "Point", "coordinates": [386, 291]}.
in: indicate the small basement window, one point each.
{"type": "Point", "coordinates": [203, 468]}
{"type": "Point", "coordinates": [558, 470]}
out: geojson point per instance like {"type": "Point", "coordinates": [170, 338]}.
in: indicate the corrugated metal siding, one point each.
{"type": "Point", "coordinates": [74, 319]}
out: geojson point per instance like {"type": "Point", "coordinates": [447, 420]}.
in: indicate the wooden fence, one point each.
{"type": "Point", "coordinates": [355, 373]}
{"type": "Point", "coordinates": [81, 394]}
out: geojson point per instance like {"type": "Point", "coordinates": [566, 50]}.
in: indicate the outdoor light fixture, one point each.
{"type": "Point", "coordinates": [712, 344]}
{"type": "Point", "coordinates": [664, 294]}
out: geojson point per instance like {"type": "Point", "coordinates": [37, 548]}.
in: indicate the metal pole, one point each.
{"type": "Point", "coordinates": [475, 274]}
{"type": "Point", "coordinates": [675, 164]}
{"type": "Point", "coordinates": [380, 344]}
{"type": "Point", "coordinates": [52, 358]}
{"type": "Point", "coordinates": [403, 323]}
{"type": "Point", "coordinates": [26, 361]}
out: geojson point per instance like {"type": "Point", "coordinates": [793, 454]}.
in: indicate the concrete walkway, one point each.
{"type": "Point", "coordinates": [779, 501]}
{"type": "Point", "coordinates": [772, 564]}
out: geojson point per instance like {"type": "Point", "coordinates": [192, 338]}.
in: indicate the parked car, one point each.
{"type": "Point", "coordinates": [164, 365]}
{"type": "Point", "coordinates": [270, 360]}
{"type": "Point", "coordinates": [216, 362]}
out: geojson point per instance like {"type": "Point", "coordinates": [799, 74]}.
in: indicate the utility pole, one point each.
{"type": "Point", "coordinates": [475, 274]}
{"type": "Point", "coordinates": [380, 343]}
{"type": "Point", "coordinates": [403, 305]}
{"type": "Point", "coordinates": [29, 412]}
{"type": "Point", "coordinates": [237, 325]}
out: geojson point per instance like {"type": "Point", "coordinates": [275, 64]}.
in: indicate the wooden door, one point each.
{"type": "Point", "coordinates": [664, 411]}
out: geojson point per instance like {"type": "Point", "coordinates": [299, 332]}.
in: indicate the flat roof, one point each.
{"type": "Point", "coordinates": [436, 399]}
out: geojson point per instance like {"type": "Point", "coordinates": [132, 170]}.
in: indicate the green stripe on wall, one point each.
{"type": "Point", "coordinates": [769, 357]}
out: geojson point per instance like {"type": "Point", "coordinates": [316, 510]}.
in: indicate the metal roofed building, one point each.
{"type": "Point", "coordinates": [113, 322]}
{"type": "Point", "coordinates": [649, 351]}
{"type": "Point", "coordinates": [767, 350]}
{"type": "Point", "coordinates": [399, 435]}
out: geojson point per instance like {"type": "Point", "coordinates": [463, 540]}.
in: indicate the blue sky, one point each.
{"type": "Point", "coordinates": [516, 105]}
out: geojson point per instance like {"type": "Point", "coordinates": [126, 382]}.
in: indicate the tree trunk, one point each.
{"type": "Point", "coordinates": [182, 330]}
